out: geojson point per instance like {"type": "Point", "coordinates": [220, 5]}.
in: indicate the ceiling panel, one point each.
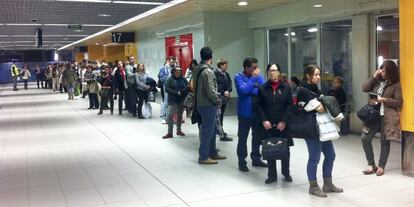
{"type": "Point", "coordinates": [63, 12]}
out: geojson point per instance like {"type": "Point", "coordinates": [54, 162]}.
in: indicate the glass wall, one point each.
{"type": "Point", "coordinates": [336, 47]}
{"type": "Point", "coordinates": [303, 48]}
{"type": "Point", "coordinates": [388, 38]}
{"type": "Point", "coordinates": [327, 44]}
{"type": "Point", "coordinates": [278, 48]}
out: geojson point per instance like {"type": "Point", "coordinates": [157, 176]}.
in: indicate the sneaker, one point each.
{"type": "Point", "coordinates": [163, 121]}
{"type": "Point", "coordinates": [208, 162]}
{"type": "Point", "coordinates": [167, 136]}
{"type": "Point", "coordinates": [180, 133]}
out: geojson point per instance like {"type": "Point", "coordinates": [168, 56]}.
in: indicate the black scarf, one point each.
{"type": "Point", "coordinates": [312, 87]}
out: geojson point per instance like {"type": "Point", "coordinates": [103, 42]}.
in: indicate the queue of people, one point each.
{"type": "Point", "coordinates": [264, 106]}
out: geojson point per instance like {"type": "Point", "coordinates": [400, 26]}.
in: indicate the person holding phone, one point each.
{"type": "Point", "coordinates": [273, 100]}
{"type": "Point", "coordinates": [386, 92]}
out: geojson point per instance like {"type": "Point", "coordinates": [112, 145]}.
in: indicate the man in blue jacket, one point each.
{"type": "Point", "coordinates": [247, 85]}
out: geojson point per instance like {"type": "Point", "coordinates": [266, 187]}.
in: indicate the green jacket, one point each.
{"type": "Point", "coordinates": [69, 76]}
{"type": "Point", "coordinates": [206, 86]}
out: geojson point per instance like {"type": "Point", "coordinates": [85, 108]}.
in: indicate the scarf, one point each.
{"type": "Point", "coordinates": [122, 72]}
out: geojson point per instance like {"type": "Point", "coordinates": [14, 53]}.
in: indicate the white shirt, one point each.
{"type": "Point", "coordinates": [380, 92]}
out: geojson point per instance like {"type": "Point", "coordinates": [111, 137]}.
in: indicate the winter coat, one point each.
{"type": "Point", "coordinates": [306, 93]}
{"type": "Point", "coordinates": [223, 82]}
{"type": "Point", "coordinates": [120, 82]}
{"type": "Point", "coordinates": [175, 85]}
{"type": "Point", "coordinates": [330, 103]}
{"type": "Point", "coordinates": [273, 106]}
{"type": "Point", "coordinates": [69, 76]}
{"type": "Point", "coordinates": [206, 93]}
{"type": "Point", "coordinates": [392, 106]}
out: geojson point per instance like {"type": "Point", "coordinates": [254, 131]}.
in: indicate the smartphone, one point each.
{"type": "Point", "coordinates": [373, 95]}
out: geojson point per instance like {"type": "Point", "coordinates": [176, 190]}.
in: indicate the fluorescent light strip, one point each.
{"type": "Point", "coordinates": [21, 24]}
{"type": "Point", "coordinates": [115, 2]}
{"type": "Point", "coordinates": [138, 17]}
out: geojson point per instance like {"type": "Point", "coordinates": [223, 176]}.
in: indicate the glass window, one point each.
{"type": "Point", "coordinates": [278, 48]}
{"type": "Point", "coordinates": [388, 39]}
{"type": "Point", "coordinates": [303, 48]}
{"type": "Point", "coordinates": [336, 49]}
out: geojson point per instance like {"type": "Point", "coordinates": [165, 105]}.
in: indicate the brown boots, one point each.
{"type": "Point", "coordinates": [328, 187]}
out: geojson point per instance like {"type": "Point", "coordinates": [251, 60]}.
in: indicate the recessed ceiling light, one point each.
{"type": "Point", "coordinates": [104, 15]}
{"type": "Point", "coordinates": [313, 29]}
{"type": "Point", "coordinates": [243, 3]}
{"type": "Point", "coordinates": [97, 43]}
{"type": "Point", "coordinates": [317, 5]}
{"type": "Point", "coordinates": [379, 28]}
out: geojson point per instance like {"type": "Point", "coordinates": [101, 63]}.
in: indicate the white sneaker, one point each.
{"type": "Point", "coordinates": [163, 121]}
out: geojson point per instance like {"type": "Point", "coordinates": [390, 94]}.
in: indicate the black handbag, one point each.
{"type": "Point", "coordinates": [275, 148]}
{"type": "Point", "coordinates": [369, 114]}
{"type": "Point", "coordinates": [301, 124]}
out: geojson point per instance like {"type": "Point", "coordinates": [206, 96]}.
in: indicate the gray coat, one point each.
{"type": "Point", "coordinates": [140, 80]}
{"type": "Point", "coordinates": [206, 86]}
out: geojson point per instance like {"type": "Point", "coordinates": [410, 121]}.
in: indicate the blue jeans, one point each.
{"type": "Point", "coordinates": [315, 147]}
{"type": "Point", "coordinates": [164, 106]}
{"type": "Point", "coordinates": [243, 132]}
{"type": "Point", "coordinates": [207, 132]}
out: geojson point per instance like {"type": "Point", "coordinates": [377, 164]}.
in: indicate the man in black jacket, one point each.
{"type": "Point", "coordinates": [224, 88]}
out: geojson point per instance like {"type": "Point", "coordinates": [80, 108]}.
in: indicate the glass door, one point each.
{"type": "Point", "coordinates": [336, 50]}
{"type": "Point", "coordinates": [388, 39]}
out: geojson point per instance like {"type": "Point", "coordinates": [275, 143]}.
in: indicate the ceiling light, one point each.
{"type": "Point", "coordinates": [23, 35]}
{"type": "Point", "coordinates": [379, 28]}
{"type": "Point", "coordinates": [19, 24]}
{"type": "Point", "coordinates": [317, 6]}
{"type": "Point", "coordinates": [97, 43]}
{"type": "Point", "coordinates": [293, 33]}
{"type": "Point", "coordinates": [97, 25]}
{"type": "Point", "coordinates": [137, 2]}
{"type": "Point", "coordinates": [138, 17]}
{"type": "Point", "coordinates": [104, 15]}
{"type": "Point", "coordinates": [313, 29]}
{"type": "Point", "coordinates": [57, 25]}
{"type": "Point", "coordinates": [111, 1]}
{"type": "Point", "coordinates": [110, 44]}
{"type": "Point", "coordinates": [65, 38]}
{"type": "Point", "coordinates": [243, 3]}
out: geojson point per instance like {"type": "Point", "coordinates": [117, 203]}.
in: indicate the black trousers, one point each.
{"type": "Point", "coordinates": [245, 124]}
{"type": "Point", "coordinates": [39, 80]}
{"type": "Point", "coordinates": [272, 169]}
{"type": "Point", "coordinates": [120, 100]}
{"type": "Point", "coordinates": [93, 101]}
{"type": "Point", "coordinates": [107, 95]}
{"type": "Point", "coordinates": [25, 83]}
{"type": "Point", "coordinates": [223, 109]}
{"type": "Point", "coordinates": [385, 144]}
{"type": "Point", "coordinates": [132, 99]}
{"type": "Point", "coordinates": [142, 96]}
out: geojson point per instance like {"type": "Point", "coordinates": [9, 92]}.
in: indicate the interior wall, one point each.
{"type": "Point", "coordinates": [151, 41]}
{"type": "Point", "coordinates": [96, 52]}
{"type": "Point", "coordinates": [230, 38]}
{"type": "Point", "coordinates": [115, 53]}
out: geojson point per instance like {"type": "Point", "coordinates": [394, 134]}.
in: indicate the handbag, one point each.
{"type": "Point", "coordinates": [189, 101]}
{"type": "Point", "coordinates": [147, 110]}
{"type": "Point", "coordinates": [369, 114]}
{"type": "Point", "coordinates": [275, 148]}
{"type": "Point", "coordinates": [301, 124]}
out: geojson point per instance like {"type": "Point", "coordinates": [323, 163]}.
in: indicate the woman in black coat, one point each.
{"type": "Point", "coordinates": [271, 105]}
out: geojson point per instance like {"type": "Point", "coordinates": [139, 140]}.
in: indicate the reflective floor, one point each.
{"type": "Point", "coordinates": [55, 152]}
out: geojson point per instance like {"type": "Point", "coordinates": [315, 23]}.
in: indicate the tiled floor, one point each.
{"type": "Point", "coordinates": [55, 152]}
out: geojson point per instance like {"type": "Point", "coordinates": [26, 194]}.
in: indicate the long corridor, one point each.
{"type": "Point", "coordinates": [55, 152]}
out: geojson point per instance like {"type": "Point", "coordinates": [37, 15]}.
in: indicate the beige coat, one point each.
{"type": "Point", "coordinates": [392, 106]}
